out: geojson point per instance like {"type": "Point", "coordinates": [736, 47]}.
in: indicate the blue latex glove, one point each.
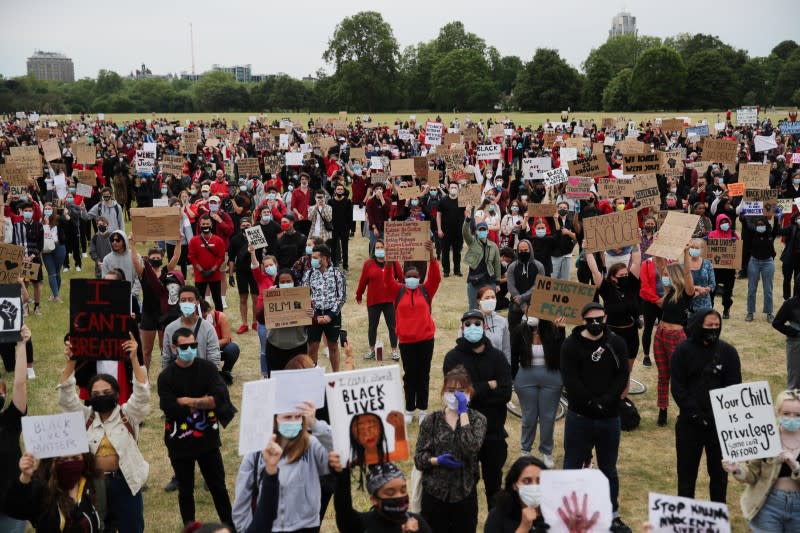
{"type": "Point", "coordinates": [462, 402]}
{"type": "Point", "coordinates": [448, 461]}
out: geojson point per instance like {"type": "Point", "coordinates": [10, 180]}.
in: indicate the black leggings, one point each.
{"type": "Point", "coordinates": [214, 288]}
{"type": "Point", "coordinates": [651, 312]}
{"type": "Point", "coordinates": [8, 351]}
{"type": "Point", "coordinates": [374, 314]}
{"type": "Point", "coordinates": [416, 359]}
{"type": "Point", "coordinates": [726, 279]}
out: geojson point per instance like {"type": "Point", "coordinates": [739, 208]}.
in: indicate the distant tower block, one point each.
{"type": "Point", "coordinates": [623, 24]}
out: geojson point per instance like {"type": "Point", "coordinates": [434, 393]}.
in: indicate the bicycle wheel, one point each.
{"type": "Point", "coordinates": [561, 410]}
{"type": "Point", "coordinates": [513, 406]}
{"type": "Point", "coordinates": [637, 387]}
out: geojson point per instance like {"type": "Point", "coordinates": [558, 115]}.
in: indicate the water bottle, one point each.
{"type": "Point", "coordinates": [379, 351]}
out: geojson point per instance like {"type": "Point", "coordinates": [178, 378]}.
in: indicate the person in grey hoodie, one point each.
{"type": "Point", "coordinates": [108, 208]}
{"type": "Point", "coordinates": [120, 257]}
{"type": "Point", "coordinates": [100, 246]}
{"type": "Point", "coordinates": [521, 277]}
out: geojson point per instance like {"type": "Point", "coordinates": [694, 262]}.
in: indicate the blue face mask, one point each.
{"type": "Point", "coordinates": [271, 196]}
{"type": "Point", "coordinates": [24, 198]}
{"type": "Point", "coordinates": [412, 283]}
{"type": "Point", "coordinates": [473, 333]}
{"type": "Point", "coordinates": [271, 270]}
{"type": "Point", "coordinates": [285, 285]}
{"type": "Point", "coordinates": [187, 308]}
{"type": "Point", "coordinates": [761, 229]}
{"type": "Point", "coordinates": [357, 169]}
{"type": "Point", "coordinates": [694, 252]}
{"type": "Point", "coordinates": [796, 181]}
{"type": "Point", "coordinates": [434, 192]}
{"type": "Point", "coordinates": [541, 232]}
{"type": "Point", "coordinates": [414, 202]}
{"type": "Point", "coordinates": [314, 263]}
{"type": "Point", "coordinates": [380, 253]}
{"type": "Point", "coordinates": [290, 429]}
{"type": "Point", "coordinates": [27, 215]}
{"type": "Point", "coordinates": [213, 207]}
{"type": "Point", "coordinates": [163, 190]}
{"type": "Point", "coordinates": [266, 219]}
{"type": "Point", "coordinates": [665, 281]}
{"type": "Point", "coordinates": [499, 187]}
{"type": "Point", "coordinates": [309, 249]}
{"type": "Point", "coordinates": [725, 227]}
{"type": "Point", "coordinates": [187, 355]}
{"type": "Point", "coordinates": [483, 234]}
{"type": "Point", "coordinates": [790, 424]}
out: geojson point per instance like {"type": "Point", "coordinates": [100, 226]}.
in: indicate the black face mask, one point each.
{"type": "Point", "coordinates": [563, 212]}
{"type": "Point", "coordinates": [155, 263]}
{"type": "Point", "coordinates": [206, 229]}
{"type": "Point", "coordinates": [595, 328]}
{"type": "Point", "coordinates": [103, 404]}
{"type": "Point", "coordinates": [394, 509]}
{"type": "Point", "coordinates": [524, 256]}
{"type": "Point", "coordinates": [711, 335]}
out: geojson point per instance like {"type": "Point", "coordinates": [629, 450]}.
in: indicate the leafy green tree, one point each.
{"type": "Point", "coordinates": [213, 91]}
{"type": "Point", "coordinates": [505, 70]}
{"type": "Point", "coordinates": [754, 82]}
{"type": "Point", "coordinates": [617, 92]}
{"type": "Point", "coordinates": [365, 53]}
{"type": "Point", "coordinates": [108, 82]}
{"type": "Point", "coordinates": [599, 73]}
{"type": "Point", "coordinates": [658, 80]}
{"type": "Point", "coordinates": [784, 49]}
{"type": "Point", "coordinates": [621, 51]}
{"type": "Point", "coordinates": [711, 82]}
{"type": "Point", "coordinates": [548, 83]}
{"type": "Point", "coordinates": [461, 80]}
{"type": "Point", "coordinates": [453, 36]}
{"type": "Point", "coordinates": [788, 80]}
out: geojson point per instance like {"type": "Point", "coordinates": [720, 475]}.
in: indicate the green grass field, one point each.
{"type": "Point", "coordinates": [647, 456]}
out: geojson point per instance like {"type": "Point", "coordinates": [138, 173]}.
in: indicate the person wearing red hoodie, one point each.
{"type": "Point", "coordinates": [415, 329]}
{"type": "Point", "coordinates": [378, 299]}
{"type": "Point", "coordinates": [207, 254]}
{"type": "Point", "coordinates": [725, 277]}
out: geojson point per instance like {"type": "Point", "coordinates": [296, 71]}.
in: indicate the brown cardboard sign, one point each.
{"type": "Point", "coordinates": [155, 223]}
{"type": "Point", "coordinates": [615, 230]}
{"type": "Point", "coordinates": [673, 235]}
{"type": "Point", "coordinates": [647, 193]}
{"type": "Point", "coordinates": [452, 138]}
{"type": "Point", "coordinates": [14, 175]}
{"type": "Point", "coordinates": [641, 163]}
{"type": "Point", "coordinates": [87, 177]}
{"type": "Point", "coordinates": [754, 175]}
{"type": "Point", "coordinates": [470, 135]}
{"type": "Point", "coordinates": [405, 240]}
{"type": "Point", "coordinates": [402, 167]}
{"type": "Point", "coordinates": [421, 166]}
{"type": "Point", "coordinates": [357, 153]}
{"type": "Point", "coordinates": [85, 154]}
{"type": "Point", "coordinates": [542, 210]}
{"type": "Point", "coordinates": [248, 166]}
{"type": "Point", "coordinates": [724, 253]}
{"type": "Point", "coordinates": [407, 193]}
{"type": "Point", "coordinates": [51, 150]}
{"type": "Point", "coordinates": [378, 178]}
{"type": "Point", "coordinates": [616, 188]}
{"type": "Point", "coordinates": [11, 259]}
{"type": "Point", "coordinates": [553, 298]}
{"type": "Point", "coordinates": [761, 195]}
{"type": "Point", "coordinates": [30, 270]}
{"type": "Point", "coordinates": [578, 187]}
{"type": "Point", "coordinates": [672, 124]}
{"type": "Point", "coordinates": [672, 162]}
{"type": "Point", "coordinates": [469, 195]}
{"type": "Point", "coordinates": [286, 308]}
{"type": "Point", "coordinates": [632, 146]}
{"type": "Point", "coordinates": [720, 151]}
{"type": "Point", "coordinates": [593, 166]}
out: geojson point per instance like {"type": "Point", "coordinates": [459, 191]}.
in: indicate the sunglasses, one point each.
{"type": "Point", "coordinates": [115, 239]}
{"type": "Point", "coordinates": [473, 323]}
{"type": "Point", "coordinates": [187, 345]}
{"type": "Point", "coordinates": [794, 393]}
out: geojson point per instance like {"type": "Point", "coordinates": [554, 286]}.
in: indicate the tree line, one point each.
{"type": "Point", "coordinates": [455, 71]}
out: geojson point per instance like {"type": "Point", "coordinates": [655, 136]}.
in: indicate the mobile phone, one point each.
{"type": "Point", "coordinates": [342, 337]}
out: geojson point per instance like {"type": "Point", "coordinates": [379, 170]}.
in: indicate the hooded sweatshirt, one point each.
{"type": "Point", "coordinates": [112, 213]}
{"type": "Point", "coordinates": [719, 234]}
{"type": "Point", "coordinates": [122, 260]}
{"type": "Point", "coordinates": [522, 276]}
{"type": "Point", "coordinates": [698, 368]}
{"type": "Point", "coordinates": [595, 372]}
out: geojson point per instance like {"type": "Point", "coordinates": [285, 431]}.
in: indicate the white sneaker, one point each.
{"type": "Point", "coordinates": [84, 254]}
{"type": "Point", "coordinates": [422, 415]}
{"type": "Point", "coordinates": [77, 269]}
{"type": "Point", "coordinates": [224, 303]}
{"type": "Point", "coordinates": [409, 417]}
{"type": "Point", "coordinates": [66, 269]}
{"type": "Point", "coordinates": [31, 373]}
{"type": "Point", "coordinates": [524, 453]}
{"type": "Point", "coordinates": [548, 461]}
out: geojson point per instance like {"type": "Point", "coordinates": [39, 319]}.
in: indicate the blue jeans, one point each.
{"type": "Point", "coordinates": [12, 525]}
{"type": "Point", "coordinates": [472, 293]}
{"type": "Point", "coordinates": [561, 266]}
{"type": "Point", "coordinates": [581, 434]}
{"type": "Point", "coordinates": [125, 510]}
{"type": "Point", "coordinates": [53, 262]}
{"type": "Point", "coordinates": [538, 390]}
{"type": "Point", "coordinates": [765, 268]}
{"type": "Point", "coordinates": [262, 356]}
{"type": "Point", "coordinates": [229, 355]}
{"type": "Point", "coordinates": [780, 513]}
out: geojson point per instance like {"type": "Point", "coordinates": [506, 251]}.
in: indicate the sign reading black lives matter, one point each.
{"type": "Point", "coordinates": [99, 318]}
{"type": "Point", "coordinates": [10, 313]}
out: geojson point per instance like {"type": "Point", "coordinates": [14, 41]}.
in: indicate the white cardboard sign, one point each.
{"type": "Point", "coordinates": [575, 487]}
{"type": "Point", "coordinates": [55, 435]}
{"type": "Point", "coordinates": [297, 386]}
{"type": "Point", "coordinates": [487, 152]}
{"type": "Point", "coordinates": [745, 418]}
{"type": "Point", "coordinates": [258, 410]}
{"type": "Point", "coordinates": [668, 514]}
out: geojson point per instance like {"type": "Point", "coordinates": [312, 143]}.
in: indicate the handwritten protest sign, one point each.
{"type": "Point", "coordinates": [542, 210]}
{"type": "Point", "coordinates": [402, 167]}
{"type": "Point", "coordinates": [646, 193]}
{"type": "Point", "coordinates": [553, 298]}
{"type": "Point", "coordinates": [470, 135]}
{"type": "Point", "coordinates": [30, 270]}
{"type": "Point", "coordinates": [592, 166]}
{"type": "Point", "coordinates": [451, 138]}
{"type": "Point", "coordinates": [173, 164]}
{"type": "Point", "coordinates": [754, 175]}
{"type": "Point", "coordinates": [297, 386]}
{"type": "Point", "coordinates": [751, 209]}
{"type": "Point", "coordinates": [724, 253]}
{"type": "Point", "coordinates": [761, 195]}
{"type": "Point", "coordinates": [285, 308]}
{"type": "Point", "coordinates": [746, 115]}
{"type": "Point", "coordinates": [485, 152]}
{"type": "Point", "coordinates": [255, 237]}
{"type": "Point", "coordinates": [616, 188]}
{"type": "Point", "coordinates": [421, 166]}
{"type": "Point", "coordinates": [10, 313]}
{"type": "Point", "coordinates": [632, 146]}
{"type": "Point", "coordinates": [57, 435]}
{"type": "Point", "coordinates": [469, 195]}
{"type": "Point", "coordinates": [673, 235]}
{"type": "Point", "coordinates": [672, 162]}
{"type": "Point", "coordinates": [294, 159]}
{"type": "Point", "coordinates": [615, 230]}
{"type": "Point", "coordinates": [14, 175]}
{"type": "Point", "coordinates": [641, 163]}
{"type": "Point", "coordinates": [99, 318]}
{"type": "Point", "coordinates": [433, 133]}
{"type": "Point", "coordinates": [87, 177]}
{"type": "Point", "coordinates": [578, 187]}
{"type": "Point", "coordinates": [155, 223]}
{"type": "Point", "coordinates": [555, 176]}
{"type": "Point", "coordinates": [86, 190]}
{"type": "Point", "coordinates": [745, 419]}
{"type": "Point", "coordinates": [720, 151]}
{"type": "Point", "coordinates": [258, 411]}
{"type": "Point", "coordinates": [736, 189]}
{"type": "Point", "coordinates": [87, 155]}
{"type": "Point", "coordinates": [248, 166]}
{"type": "Point", "coordinates": [568, 491]}
{"type": "Point", "coordinates": [11, 257]}
{"type": "Point", "coordinates": [51, 150]}
{"type": "Point", "coordinates": [405, 240]}
{"type": "Point", "coordinates": [363, 404]}
{"type": "Point", "coordinates": [407, 193]}
{"type": "Point", "coordinates": [672, 124]}
{"type": "Point", "coordinates": [668, 514]}
{"type": "Point", "coordinates": [532, 167]}
{"type": "Point", "coordinates": [357, 153]}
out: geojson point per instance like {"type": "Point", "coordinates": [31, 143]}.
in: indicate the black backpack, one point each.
{"type": "Point", "coordinates": [402, 291]}
{"type": "Point", "coordinates": [628, 415]}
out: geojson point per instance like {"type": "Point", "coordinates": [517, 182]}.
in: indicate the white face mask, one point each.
{"type": "Point", "coordinates": [451, 401]}
{"type": "Point", "coordinates": [487, 306]}
{"type": "Point", "coordinates": [533, 321]}
{"type": "Point", "coordinates": [531, 495]}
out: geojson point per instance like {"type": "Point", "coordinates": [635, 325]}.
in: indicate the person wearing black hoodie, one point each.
{"type": "Point", "coordinates": [594, 368]}
{"type": "Point", "coordinates": [790, 312]}
{"type": "Point", "coordinates": [491, 378]}
{"type": "Point", "coordinates": [700, 364]}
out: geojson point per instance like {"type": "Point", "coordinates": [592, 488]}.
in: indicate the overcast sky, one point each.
{"type": "Point", "coordinates": [290, 36]}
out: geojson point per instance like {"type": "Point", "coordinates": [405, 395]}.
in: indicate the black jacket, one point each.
{"type": "Point", "coordinates": [489, 365]}
{"type": "Point", "coordinates": [289, 247]}
{"type": "Point", "coordinates": [341, 214]}
{"type": "Point", "coordinates": [789, 312]}
{"type": "Point", "coordinates": [698, 368]}
{"type": "Point", "coordinates": [595, 372]}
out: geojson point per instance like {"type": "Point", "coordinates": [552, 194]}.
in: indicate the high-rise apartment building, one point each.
{"type": "Point", "coordinates": [51, 66]}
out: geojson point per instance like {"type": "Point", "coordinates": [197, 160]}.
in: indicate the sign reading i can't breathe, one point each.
{"type": "Point", "coordinates": [99, 318]}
